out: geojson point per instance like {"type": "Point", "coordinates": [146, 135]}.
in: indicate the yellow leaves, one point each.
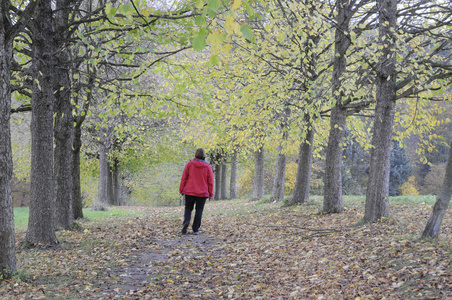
{"type": "Point", "coordinates": [227, 48]}
{"type": "Point", "coordinates": [146, 13]}
{"type": "Point", "coordinates": [199, 4]}
{"type": "Point", "coordinates": [236, 4]}
{"type": "Point", "coordinates": [216, 39]}
{"type": "Point", "coordinates": [232, 27]}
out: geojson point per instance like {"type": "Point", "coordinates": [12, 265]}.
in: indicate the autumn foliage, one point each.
{"type": "Point", "coordinates": [247, 250]}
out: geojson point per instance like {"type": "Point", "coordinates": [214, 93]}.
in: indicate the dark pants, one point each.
{"type": "Point", "coordinates": [190, 202]}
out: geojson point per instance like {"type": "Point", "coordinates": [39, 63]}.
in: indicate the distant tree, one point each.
{"type": "Point", "coordinates": [432, 183]}
{"type": "Point", "coordinates": [224, 178]}
{"type": "Point", "coordinates": [303, 180]}
{"type": "Point", "coordinates": [233, 181]}
{"type": "Point", "coordinates": [259, 174]}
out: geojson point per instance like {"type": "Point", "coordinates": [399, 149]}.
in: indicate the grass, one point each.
{"type": "Point", "coordinates": [21, 218]}
{"type": "Point", "coordinates": [21, 213]}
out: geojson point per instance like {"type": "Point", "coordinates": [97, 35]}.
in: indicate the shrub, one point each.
{"type": "Point", "coordinates": [409, 187]}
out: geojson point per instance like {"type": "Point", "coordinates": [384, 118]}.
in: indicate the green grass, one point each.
{"type": "Point", "coordinates": [21, 218]}
{"type": "Point", "coordinates": [21, 213]}
{"type": "Point", "coordinates": [421, 199]}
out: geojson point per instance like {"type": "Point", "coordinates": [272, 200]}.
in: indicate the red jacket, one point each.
{"type": "Point", "coordinates": [197, 179]}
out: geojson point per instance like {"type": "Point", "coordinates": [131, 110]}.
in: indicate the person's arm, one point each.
{"type": "Point", "coordinates": [184, 178]}
{"type": "Point", "coordinates": [210, 182]}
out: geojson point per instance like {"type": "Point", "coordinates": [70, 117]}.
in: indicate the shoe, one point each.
{"type": "Point", "coordinates": [184, 229]}
{"type": "Point", "coordinates": [196, 232]}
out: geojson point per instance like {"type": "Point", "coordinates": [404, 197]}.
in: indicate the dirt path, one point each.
{"type": "Point", "coordinates": [147, 264]}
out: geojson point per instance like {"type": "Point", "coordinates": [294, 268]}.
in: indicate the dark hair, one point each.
{"type": "Point", "coordinates": [200, 153]}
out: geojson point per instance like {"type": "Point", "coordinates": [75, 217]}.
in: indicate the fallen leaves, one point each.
{"type": "Point", "coordinates": [246, 251]}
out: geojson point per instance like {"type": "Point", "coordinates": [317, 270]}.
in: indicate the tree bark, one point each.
{"type": "Point", "coordinates": [7, 245]}
{"type": "Point", "coordinates": [280, 177]}
{"type": "Point", "coordinates": [377, 203]}
{"type": "Point", "coordinates": [77, 201]}
{"type": "Point", "coordinates": [259, 174]}
{"type": "Point", "coordinates": [217, 171]}
{"type": "Point", "coordinates": [64, 129]}
{"type": "Point", "coordinates": [77, 204]}
{"type": "Point", "coordinates": [333, 202]}
{"type": "Point", "coordinates": [303, 181]}
{"type": "Point", "coordinates": [102, 191]}
{"type": "Point", "coordinates": [442, 203]}
{"type": "Point", "coordinates": [233, 183]}
{"type": "Point", "coordinates": [116, 188]}
{"type": "Point", "coordinates": [110, 187]}
{"type": "Point", "coordinates": [224, 178]}
{"type": "Point", "coordinates": [41, 225]}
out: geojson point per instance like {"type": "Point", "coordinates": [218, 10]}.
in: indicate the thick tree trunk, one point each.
{"type": "Point", "coordinates": [377, 203]}
{"type": "Point", "coordinates": [303, 181]}
{"type": "Point", "coordinates": [7, 245]}
{"type": "Point", "coordinates": [102, 191]}
{"type": "Point", "coordinates": [41, 225]}
{"type": "Point", "coordinates": [224, 178]}
{"type": "Point", "coordinates": [280, 177]}
{"type": "Point", "coordinates": [233, 183]}
{"type": "Point", "coordinates": [259, 174]}
{"type": "Point", "coordinates": [77, 204]}
{"type": "Point", "coordinates": [442, 203]}
{"type": "Point", "coordinates": [333, 202]}
{"type": "Point", "coordinates": [63, 133]}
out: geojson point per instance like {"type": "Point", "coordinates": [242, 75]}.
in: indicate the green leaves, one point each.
{"type": "Point", "coordinates": [200, 20]}
{"type": "Point", "coordinates": [247, 33]}
{"type": "Point", "coordinates": [126, 9]}
{"type": "Point", "coordinates": [199, 42]}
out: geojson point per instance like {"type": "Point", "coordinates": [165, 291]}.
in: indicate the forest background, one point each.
{"type": "Point", "coordinates": [152, 159]}
{"type": "Point", "coordinates": [297, 98]}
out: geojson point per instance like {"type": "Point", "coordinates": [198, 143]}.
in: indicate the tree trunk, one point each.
{"type": "Point", "coordinates": [7, 245]}
{"type": "Point", "coordinates": [233, 183]}
{"type": "Point", "coordinates": [280, 177]}
{"type": "Point", "coordinates": [41, 225]}
{"type": "Point", "coordinates": [217, 185]}
{"type": "Point", "coordinates": [224, 178]}
{"type": "Point", "coordinates": [110, 187]}
{"type": "Point", "coordinates": [77, 201]}
{"type": "Point", "coordinates": [102, 191]}
{"type": "Point", "coordinates": [303, 181]}
{"type": "Point", "coordinates": [116, 188]}
{"type": "Point", "coordinates": [259, 174]}
{"type": "Point", "coordinates": [377, 203]}
{"type": "Point", "coordinates": [333, 202]}
{"type": "Point", "coordinates": [442, 203]}
{"type": "Point", "coordinates": [63, 133]}
{"type": "Point", "coordinates": [77, 204]}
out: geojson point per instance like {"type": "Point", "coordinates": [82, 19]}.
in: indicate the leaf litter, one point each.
{"type": "Point", "coordinates": [246, 251]}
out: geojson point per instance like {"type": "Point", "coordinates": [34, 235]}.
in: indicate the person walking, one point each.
{"type": "Point", "coordinates": [196, 185]}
